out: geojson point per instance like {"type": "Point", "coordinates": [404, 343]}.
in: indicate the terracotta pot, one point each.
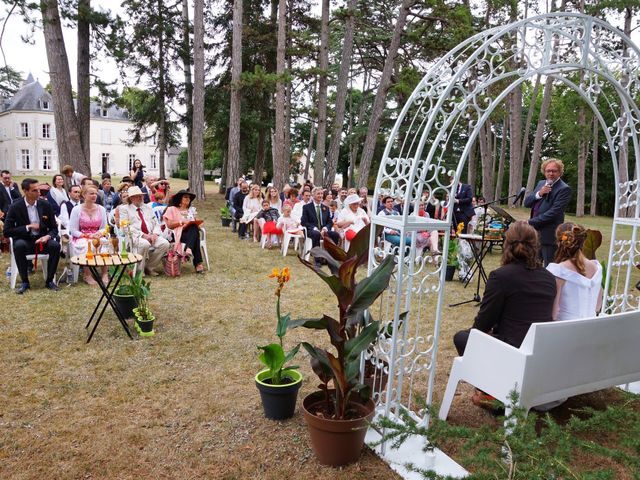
{"type": "Point", "coordinates": [279, 401]}
{"type": "Point", "coordinates": [337, 442]}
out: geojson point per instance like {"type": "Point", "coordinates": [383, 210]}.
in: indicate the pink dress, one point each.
{"type": "Point", "coordinates": [86, 225]}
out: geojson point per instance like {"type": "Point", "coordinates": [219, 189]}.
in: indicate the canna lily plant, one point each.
{"type": "Point", "coordinates": [273, 356]}
{"type": "Point", "coordinates": [349, 334]}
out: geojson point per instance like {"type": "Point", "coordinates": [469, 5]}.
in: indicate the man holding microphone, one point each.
{"type": "Point", "coordinates": [548, 202]}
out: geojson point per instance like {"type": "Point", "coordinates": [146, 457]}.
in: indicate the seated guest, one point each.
{"type": "Point", "coordinates": [251, 205]}
{"type": "Point", "coordinates": [292, 198]}
{"type": "Point", "coordinates": [286, 223]}
{"type": "Point", "coordinates": [333, 210]}
{"type": "Point", "coordinates": [114, 216]}
{"type": "Point", "coordinates": [146, 232]}
{"type": "Point", "coordinates": [578, 280]}
{"type": "Point", "coordinates": [317, 220]}
{"type": "Point", "coordinates": [327, 197]}
{"type": "Point", "coordinates": [274, 198]}
{"type": "Point", "coordinates": [161, 186]}
{"type": "Point", "coordinates": [266, 223]}
{"type": "Point", "coordinates": [296, 210]}
{"type": "Point", "coordinates": [108, 195]}
{"type": "Point", "coordinates": [187, 238]}
{"type": "Point", "coordinates": [427, 238]}
{"type": "Point", "coordinates": [238, 203]}
{"type": "Point", "coordinates": [86, 224]}
{"type": "Point", "coordinates": [352, 218]}
{"type": "Point", "coordinates": [31, 224]}
{"type": "Point", "coordinates": [9, 192]}
{"type": "Point", "coordinates": [75, 193]}
{"type": "Point", "coordinates": [391, 235]}
{"type": "Point", "coordinates": [364, 204]}
{"type": "Point", "coordinates": [159, 205]}
{"type": "Point", "coordinates": [517, 294]}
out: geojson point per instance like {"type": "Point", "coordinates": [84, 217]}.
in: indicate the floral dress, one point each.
{"type": "Point", "coordinates": [86, 225]}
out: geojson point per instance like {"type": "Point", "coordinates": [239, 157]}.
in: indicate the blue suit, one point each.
{"type": "Point", "coordinates": [309, 220]}
{"type": "Point", "coordinates": [463, 210]}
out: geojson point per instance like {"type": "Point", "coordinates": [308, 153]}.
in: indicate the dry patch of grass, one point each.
{"type": "Point", "coordinates": [183, 403]}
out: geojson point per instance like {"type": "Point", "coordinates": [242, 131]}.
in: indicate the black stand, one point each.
{"type": "Point", "coordinates": [107, 294]}
{"type": "Point", "coordinates": [479, 254]}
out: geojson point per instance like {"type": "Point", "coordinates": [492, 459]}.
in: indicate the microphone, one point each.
{"type": "Point", "coordinates": [519, 197]}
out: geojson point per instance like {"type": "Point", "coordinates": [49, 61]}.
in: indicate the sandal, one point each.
{"type": "Point", "coordinates": [199, 268]}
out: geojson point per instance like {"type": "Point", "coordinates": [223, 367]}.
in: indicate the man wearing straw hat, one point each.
{"type": "Point", "coordinates": [146, 232]}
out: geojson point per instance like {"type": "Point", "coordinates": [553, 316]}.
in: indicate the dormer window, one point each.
{"type": "Point", "coordinates": [104, 112]}
{"type": "Point", "coordinates": [45, 105]}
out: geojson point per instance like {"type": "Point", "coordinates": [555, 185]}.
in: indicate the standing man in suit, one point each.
{"type": "Point", "coordinates": [146, 232]}
{"type": "Point", "coordinates": [8, 192]}
{"type": "Point", "coordinates": [547, 204]}
{"type": "Point", "coordinates": [32, 225]}
{"type": "Point", "coordinates": [316, 218]}
{"type": "Point", "coordinates": [462, 205]}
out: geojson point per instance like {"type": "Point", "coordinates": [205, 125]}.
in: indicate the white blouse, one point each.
{"type": "Point", "coordinates": [579, 297]}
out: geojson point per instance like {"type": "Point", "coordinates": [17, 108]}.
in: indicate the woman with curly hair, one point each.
{"type": "Point", "coordinates": [578, 279]}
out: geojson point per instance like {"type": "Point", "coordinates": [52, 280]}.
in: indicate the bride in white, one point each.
{"type": "Point", "coordinates": [578, 279]}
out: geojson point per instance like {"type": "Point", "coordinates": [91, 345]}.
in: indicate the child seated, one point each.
{"type": "Point", "coordinates": [267, 218]}
{"type": "Point", "coordinates": [286, 223]}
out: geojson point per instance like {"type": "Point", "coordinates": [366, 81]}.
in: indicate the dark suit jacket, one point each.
{"type": "Point", "coordinates": [18, 218]}
{"type": "Point", "coordinates": [551, 211]}
{"type": "Point", "coordinates": [309, 219]}
{"type": "Point", "coordinates": [5, 199]}
{"type": "Point", "coordinates": [514, 298]}
{"type": "Point", "coordinates": [465, 201]}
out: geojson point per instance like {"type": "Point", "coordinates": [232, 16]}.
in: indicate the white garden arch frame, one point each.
{"type": "Point", "coordinates": [441, 120]}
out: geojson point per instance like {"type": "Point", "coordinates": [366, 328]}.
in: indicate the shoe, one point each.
{"type": "Point", "coordinates": [486, 401]}
{"type": "Point", "coordinates": [200, 268]}
{"type": "Point", "coordinates": [52, 286]}
{"type": "Point", "coordinates": [152, 273]}
{"type": "Point", "coordinates": [24, 286]}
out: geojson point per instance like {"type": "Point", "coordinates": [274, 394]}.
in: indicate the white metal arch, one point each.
{"type": "Point", "coordinates": [453, 100]}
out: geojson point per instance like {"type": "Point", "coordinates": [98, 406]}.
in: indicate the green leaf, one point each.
{"type": "Point", "coordinates": [592, 243]}
{"type": "Point", "coordinates": [371, 287]}
{"type": "Point", "coordinates": [315, 323]}
{"type": "Point", "coordinates": [360, 243]}
{"type": "Point", "coordinates": [272, 357]}
{"type": "Point", "coordinates": [337, 253]}
{"type": "Point", "coordinates": [333, 264]}
{"type": "Point", "coordinates": [363, 390]}
{"type": "Point", "coordinates": [281, 328]}
{"type": "Point", "coordinates": [347, 273]}
{"type": "Point", "coordinates": [343, 295]}
{"type": "Point", "coordinates": [355, 346]}
{"type": "Point", "coordinates": [331, 325]}
{"type": "Point", "coordinates": [292, 353]}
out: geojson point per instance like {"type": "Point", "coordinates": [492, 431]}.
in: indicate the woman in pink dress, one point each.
{"type": "Point", "coordinates": [86, 223]}
{"type": "Point", "coordinates": [179, 217]}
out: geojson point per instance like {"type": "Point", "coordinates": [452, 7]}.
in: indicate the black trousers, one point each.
{"type": "Point", "coordinates": [548, 253]}
{"type": "Point", "coordinates": [315, 237]}
{"type": "Point", "coordinates": [460, 340]}
{"type": "Point", "coordinates": [191, 238]}
{"type": "Point", "coordinates": [22, 248]}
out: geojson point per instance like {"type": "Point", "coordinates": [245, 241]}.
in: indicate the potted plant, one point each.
{"type": "Point", "coordinates": [225, 216]}
{"type": "Point", "coordinates": [123, 296]}
{"type": "Point", "coordinates": [452, 253]}
{"type": "Point", "coordinates": [278, 383]}
{"type": "Point", "coordinates": [338, 417]}
{"type": "Point", "coordinates": [144, 318]}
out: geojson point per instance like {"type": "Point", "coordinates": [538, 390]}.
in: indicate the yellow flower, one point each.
{"type": "Point", "coordinates": [275, 273]}
{"type": "Point", "coordinates": [285, 274]}
{"type": "Point", "coordinates": [459, 228]}
{"type": "Point", "coordinates": [124, 223]}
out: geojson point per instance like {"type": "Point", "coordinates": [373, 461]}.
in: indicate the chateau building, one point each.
{"type": "Point", "coordinates": [28, 137]}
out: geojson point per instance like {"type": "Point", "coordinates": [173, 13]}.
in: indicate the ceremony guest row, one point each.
{"type": "Point", "coordinates": [88, 210]}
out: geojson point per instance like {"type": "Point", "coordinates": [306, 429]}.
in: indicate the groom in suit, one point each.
{"type": "Point", "coordinates": [547, 203]}
{"type": "Point", "coordinates": [316, 218]}
{"type": "Point", "coordinates": [462, 205]}
{"type": "Point", "coordinates": [32, 225]}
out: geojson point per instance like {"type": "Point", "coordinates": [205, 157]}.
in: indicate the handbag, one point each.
{"type": "Point", "coordinates": [172, 263]}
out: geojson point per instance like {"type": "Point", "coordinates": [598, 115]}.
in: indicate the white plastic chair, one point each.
{"type": "Point", "coordinates": [286, 239]}
{"type": "Point", "coordinates": [42, 260]}
{"type": "Point", "coordinates": [74, 269]}
{"type": "Point", "coordinates": [203, 246]}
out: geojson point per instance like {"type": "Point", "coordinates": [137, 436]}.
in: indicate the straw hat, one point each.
{"type": "Point", "coordinates": [133, 191]}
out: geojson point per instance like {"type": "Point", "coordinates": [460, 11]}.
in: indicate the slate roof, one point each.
{"type": "Point", "coordinates": [32, 94]}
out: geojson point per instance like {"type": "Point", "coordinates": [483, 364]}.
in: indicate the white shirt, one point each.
{"type": "Point", "coordinates": [32, 210]}
{"type": "Point", "coordinates": [357, 217]}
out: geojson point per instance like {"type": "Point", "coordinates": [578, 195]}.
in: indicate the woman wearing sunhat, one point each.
{"type": "Point", "coordinates": [178, 218]}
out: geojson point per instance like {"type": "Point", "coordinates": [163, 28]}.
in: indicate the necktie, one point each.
{"type": "Point", "coordinates": [143, 224]}
{"type": "Point", "coordinates": [318, 217]}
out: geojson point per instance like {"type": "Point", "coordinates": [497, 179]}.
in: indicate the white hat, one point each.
{"type": "Point", "coordinates": [133, 191]}
{"type": "Point", "coordinates": [353, 198]}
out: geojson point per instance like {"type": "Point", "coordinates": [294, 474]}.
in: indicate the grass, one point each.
{"type": "Point", "coordinates": [181, 404]}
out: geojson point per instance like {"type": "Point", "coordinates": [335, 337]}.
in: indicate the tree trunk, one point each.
{"type": "Point", "coordinates": [162, 93]}
{"type": "Point", "coordinates": [186, 67]}
{"type": "Point", "coordinates": [537, 141]}
{"type": "Point", "coordinates": [527, 125]}
{"type": "Point", "coordinates": [515, 142]}
{"type": "Point", "coordinates": [67, 130]}
{"type": "Point", "coordinates": [82, 73]}
{"type": "Point", "coordinates": [503, 154]}
{"type": "Point", "coordinates": [381, 95]}
{"type": "Point", "coordinates": [233, 166]}
{"type": "Point", "coordinates": [223, 174]}
{"type": "Point", "coordinates": [278, 143]}
{"type": "Point", "coordinates": [583, 146]}
{"type": "Point", "coordinates": [196, 158]}
{"type": "Point", "coordinates": [287, 103]}
{"type": "Point", "coordinates": [258, 168]}
{"type": "Point", "coordinates": [341, 95]}
{"type": "Point", "coordinates": [323, 65]}
{"type": "Point", "coordinates": [305, 174]}
{"type": "Point", "coordinates": [486, 159]}
{"type": "Point", "coordinates": [594, 168]}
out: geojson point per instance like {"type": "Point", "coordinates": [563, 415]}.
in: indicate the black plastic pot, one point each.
{"type": "Point", "coordinates": [125, 304]}
{"type": "Point", "coordinates": [279, 401]}
{"type": "Point", "coordinates": [226, 222]}
{"type": "Point", "coordinates": [451, 270]}
{"type": "Point", "coordinates": [145, 326]}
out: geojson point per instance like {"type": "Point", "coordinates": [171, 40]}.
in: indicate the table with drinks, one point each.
{"type": "Point", "coordinates": [119, 263]}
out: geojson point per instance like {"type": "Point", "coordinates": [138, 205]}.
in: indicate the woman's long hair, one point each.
{"type": "Point", "coordinates": [570, 238]}
{"type": "Point", "coordinates": [521, 244]}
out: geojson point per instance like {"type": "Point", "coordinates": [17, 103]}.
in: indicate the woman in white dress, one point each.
{"type": "Point", "coordinates": [58, 192]}
{"type": "Point", "coordinates": [578, 279]}
{"type": "Point", "coordinates": [352, 218]}
{"type": "Point", "coordinates": [251, 207]}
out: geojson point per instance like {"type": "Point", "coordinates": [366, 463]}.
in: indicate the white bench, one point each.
{"type": "Point", "coordinates": [556, 360]}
